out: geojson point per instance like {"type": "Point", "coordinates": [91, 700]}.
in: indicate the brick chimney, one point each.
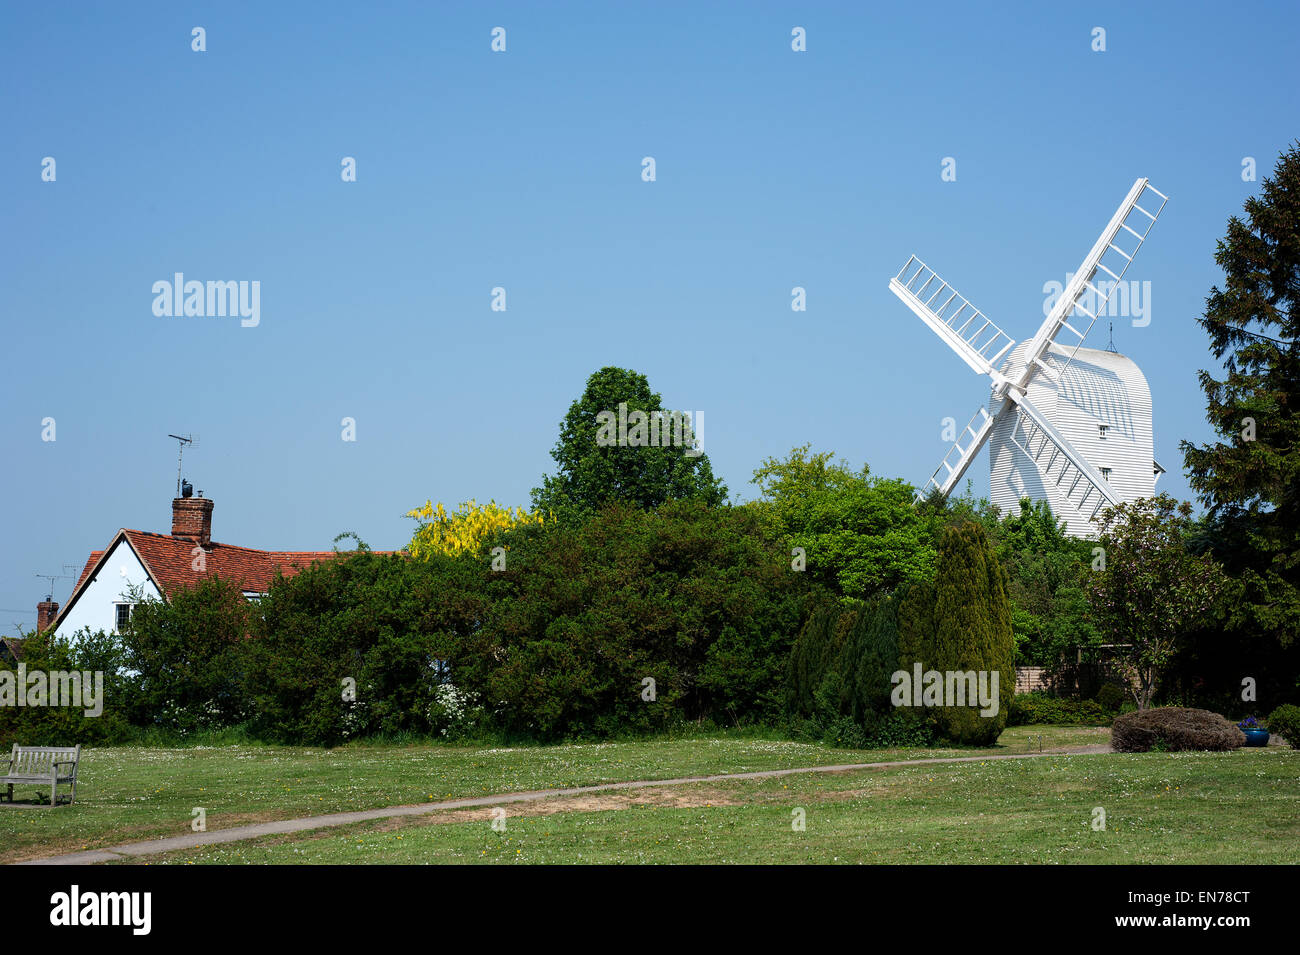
{"type": "Point", "coordinates": [192, 520]}
{"type": "Point", "coordinates": [46, 611]}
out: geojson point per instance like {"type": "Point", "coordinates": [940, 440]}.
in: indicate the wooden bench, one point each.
{"type": "Point", "coordinates": [51, 766]}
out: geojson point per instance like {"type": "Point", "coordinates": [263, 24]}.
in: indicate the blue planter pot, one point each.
{"type": "Point", "coordinates": [1256, 737]}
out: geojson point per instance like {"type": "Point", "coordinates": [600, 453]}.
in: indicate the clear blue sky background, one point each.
{"type": "Point", "coordinates": [523, 170]}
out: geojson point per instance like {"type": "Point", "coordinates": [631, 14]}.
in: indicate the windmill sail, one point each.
{"type": "Point", "coordinates": [1058, 462]}
{"type": "Point", "coordinates": [966, 447]}
{"type": "Point", "coordinates": [966, 329]}
{"type": "Point", "coordinates": [1104, 265]}
{"type": "Point", "coordinates": [1083, 441]}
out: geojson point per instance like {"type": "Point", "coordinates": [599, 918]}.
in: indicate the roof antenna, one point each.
{"type": "Point", "coordinates": [52, 578]}
{"type": "Point", "coordinates": [1111, 347]}
{"type": "Point", "coordinates": [184, 439]}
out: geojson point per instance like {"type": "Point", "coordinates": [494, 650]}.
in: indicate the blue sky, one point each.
{"type": "Point", "coordinates": [522, 170]}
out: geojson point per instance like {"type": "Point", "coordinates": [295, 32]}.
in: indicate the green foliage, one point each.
{"type": "Point", "coordinates": [1029, 709]}
{"type": "Point", "coordinates": [839, 668]}
{"type": "Point", "coordinates": [61, 725]}
{"type": "Point", "coordinates": [962, 622]}
{"type": "Point", "coordinates": [1173, 729]}
{"type": "Point", "coordinates": [1046, 578]}
{"type": "Point", "coordinates": [1110, 697]}
{"type": "Point", "coordinates": [382, 621]}
{"type": "Point", "coordinates": [1250, 477]}
{"type": "Point", "coordinates": [191, 657]}
{"type": "Point", "coordinates": [895, 728]}
{"type": "Point", "coordinates": [591, 475]}
{"type": "Point", "coordinates": [699, 599]}
{"type": "Point", "coordinates": [1285, 722]}
{"type": "Point", "coordinates": [861, 535]}
{"type": "Point", "coordinates": [820, 671]}
{"type": "Point", "coordinates": [1047, 572]}
{"type": "Point", "coordinates": [1153, 589]}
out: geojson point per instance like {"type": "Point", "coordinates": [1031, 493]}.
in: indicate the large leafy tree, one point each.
{"type": "Point", "coordinates": [1152, 589]}
{"type": "Point", "coordinates": [861, 535]}
{"type": "Point", "coordinates": [1250, 478]}
{"type": "Point", "coordinates": [593, 472]}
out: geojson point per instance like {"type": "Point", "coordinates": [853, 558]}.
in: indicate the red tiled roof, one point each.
{"type": "Point", "coordinates": [90, 565]}
{"type": "Point", "coordinates": [170, 562]}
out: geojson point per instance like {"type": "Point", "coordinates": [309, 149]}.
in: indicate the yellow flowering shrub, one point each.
{"type": "Point", "coordinates": [465, 529]}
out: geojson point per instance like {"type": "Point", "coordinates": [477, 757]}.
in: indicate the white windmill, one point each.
{"type": "Point", "coordinates": [1065, 424]}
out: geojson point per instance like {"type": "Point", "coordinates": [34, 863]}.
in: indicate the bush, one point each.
{"type": "Point", "coordinates": [1032, 708]}
{"type": "Point", "coordinates": [898, 728]}
{"type": "Point", "coordinates": [1285, 722]}
{"type": "Point", "coordinates": [839, 669]}
{"type": "Point", "coordinates": [50, 725]}
{"type": "Point", "coordinates": [698, 599]}
{"type": "Point", "coordinates": [1111, 697]}
{"type": "Point", "coordinates": [1173, 729]}
{"type": "Point", "coordinates": [190, 654]}
{"type": "Point", "coordinates": [385, 623]}
{"type": "Point", "coordinates": [962, 622]}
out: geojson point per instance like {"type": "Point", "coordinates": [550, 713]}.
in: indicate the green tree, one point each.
{"type": "Point", "coordinates": [1250, 478]}
{"type": "Point", "coordinates": [962, 622]}
{"type": "Point", "coordinates": [860, 534]}
{"type": "Point", "coordinates": [1152, 589]}
{"type": "Point", "coordinates": [85, 652]}
{"type": "Point", "coordinates": [696, 598]}
{"type": "Point", "coordinates": [380, 626]}
{"type": "Point", "coordinates": [1046, 578]}
{"type": "Point", "coordinates": [594, 470]}
{"type": "Point", "coordinates": [841, 662]}
{"type": "Point", "coordinates": [191, 656]}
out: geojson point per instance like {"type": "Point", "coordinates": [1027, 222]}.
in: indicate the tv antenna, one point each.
{"type": "Point", "coordinates": [52, 578]}
{"type": "Point", "coordinates": [184, 439]}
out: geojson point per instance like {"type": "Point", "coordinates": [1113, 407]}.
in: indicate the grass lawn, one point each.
{"type": "Point", "coordinates": [1241, 807]}
{"type": "Point", "coordinates": [128, 794]}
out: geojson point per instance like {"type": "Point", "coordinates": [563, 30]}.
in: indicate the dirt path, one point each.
{"type": "Point", "coordinates": [192, 840]}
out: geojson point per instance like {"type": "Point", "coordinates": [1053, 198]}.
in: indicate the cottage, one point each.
{"type": "Point", "coordinates": [143, 564]}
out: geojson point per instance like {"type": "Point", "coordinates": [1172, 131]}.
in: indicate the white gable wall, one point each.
{"type": "Point", "coordinates": [96, 607]}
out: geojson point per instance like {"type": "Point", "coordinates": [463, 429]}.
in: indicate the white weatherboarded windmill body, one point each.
{"type": "Point", "coordinates": [1065, 424]}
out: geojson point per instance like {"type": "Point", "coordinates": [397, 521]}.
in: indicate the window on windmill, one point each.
{"type": "Point", "coordinates": [1101, 430]}
{"type": "Point", "coordinates": [1105, 474]}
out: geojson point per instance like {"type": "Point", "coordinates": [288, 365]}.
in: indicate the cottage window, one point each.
{"type": "Point", "coordinates": [123, 616]}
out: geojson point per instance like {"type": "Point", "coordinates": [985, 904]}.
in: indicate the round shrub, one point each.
{"type": "Point", "coordinates": [1173, 729]}
{"type": "Point", "coordinates": [1285, 722]}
